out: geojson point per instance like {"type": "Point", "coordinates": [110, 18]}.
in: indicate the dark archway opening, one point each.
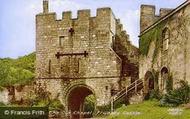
{"type": "Point", "coordinates": [167, 82]}
{"type": "Point", "coordinates": [77, 104]}
{"type": "Point", "coordinates": [149, 84]}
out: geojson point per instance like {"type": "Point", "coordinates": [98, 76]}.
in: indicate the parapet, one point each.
{"type": "Point", "coordinates": [67, 15]}
{"type": "Point", "coordinates": [148, 10]}
{"type": "Point", "coordinates": [104, 17]}
{"type": "Point", "coordinates": [148, 16]}
{"type": "Point", "coordinates": [83, 14]}
{"type": "Point", "coordinates": [164, 11]}
{"type": "Point", "coordinates": [103, 11]}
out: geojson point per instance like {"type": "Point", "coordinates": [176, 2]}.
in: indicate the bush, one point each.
{"type": "Point", "coordinates": [104, 108]}
{"type": "Point", "coordinates": [2, 104]}
{"type": "Point", "coordinates": [169, 83]}
{"type": "Point", "coordinates": [177, 96]}
{"type": "Point", "coordinates": [120, 102]}
{"type": "Point", "coordinates": [89, 103]}
{"type": "Point", "coordinates": [56, 105]}
{"type": "Point", "coordinates": [155, 94]}
{"type": "Point", "coordinates": [41, 103]}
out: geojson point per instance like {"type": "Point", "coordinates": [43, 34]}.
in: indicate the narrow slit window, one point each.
{"type": "Point", "coordinates": [165, 39]}
{"type": "Point", "coordinates": [61, 40]}
{"type": "Point", "coordinates": [49, 69]}
{"type": "Point", "coordinates": [113, 42]}
{"type": "Point", "coordinates": [76, 65]}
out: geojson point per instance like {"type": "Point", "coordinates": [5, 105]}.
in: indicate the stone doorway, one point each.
{"type": "Point", "coordinates": [166, 83]}
{"type": "Point", "coordinates": [148, 83]}
{"type": "Point", "coordinates": [76, 98]}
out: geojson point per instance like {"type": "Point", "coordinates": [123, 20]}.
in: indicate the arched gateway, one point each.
{"type": "Point", "coordinates": [75, 100]}
{"type": "Point", "coordinates": [148, 82]}
{"type": "Point", "coordinates": [79, 57]}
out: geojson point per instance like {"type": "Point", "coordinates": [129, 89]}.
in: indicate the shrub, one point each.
{"type": "Point", "coordinates": [155, 94]}
{"type": "Point", "coordinates": [89, 103]}
{"type": "Point", "coordinates": [56, 105]}
{"type": "Point", "coordinates": [177, 96]}
{"type": "Point", "coordinates": [120, 102]}
{"type": "Point", "coordinates": [169, 83]}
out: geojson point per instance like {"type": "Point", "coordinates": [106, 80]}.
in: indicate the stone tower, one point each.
{"type": "Point", "coordinates": [76, 57]}
{"type": "Point", "coordinates": [148, 15]}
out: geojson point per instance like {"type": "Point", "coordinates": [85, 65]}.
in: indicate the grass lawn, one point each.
{"type": "Point", "coordinates": [150, 110]}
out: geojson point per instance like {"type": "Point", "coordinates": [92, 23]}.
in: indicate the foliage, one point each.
{"type": "Point", "coordinates": [2, 104]}
{"type": "Point", "coordinates": [177, 96]}
{"type": "Point", "coordinates": [169, 83]}
{"type": "Point", "coordinates": [17, 71]}
{"type": "Point", "coordinates": [104, 108]}
{"type": "Point", "coordinates": [154, 34]}
{"type": "Point", "coordinates": [147, 38]}
{"type": "Point", "coordinates": [155, 94]}
{"type": "Point", "coordinates": [56, 105]}
{"type": "Point", "coordinates": [156, 78]}
{"type": "Point", "coordinates": [27, 62]}
{"type": "Point", "coordinates": [147, 110]}
{"type": "Point", "coordinates": [120, 102]}
{"type": "Point", "coordinates": [41, 103]}
{"type": "Point", "coordinates": [89, 103]}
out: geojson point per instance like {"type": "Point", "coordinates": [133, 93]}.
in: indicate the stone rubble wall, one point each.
{"type": "Point", "coordinates": [177, 57]}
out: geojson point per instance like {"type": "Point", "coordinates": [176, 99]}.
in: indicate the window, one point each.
{"type": "Point", "coordinates": [113, 42]}
{"type": "Point", "coordinates": [49, 68]}
{"type": "Point", "coordinates": [165, 39]}
{"type": "Point", "coordinates": [65, 67]}
{"type": "Point", "coordinates": [76, 65]}
{"type": "Point", "coordinates": [61, 40]}
{"type": "Point", "coordinates": [106, 87]}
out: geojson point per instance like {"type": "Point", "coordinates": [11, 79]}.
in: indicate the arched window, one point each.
{"type": "Point", "coordinates": [165, 39]}
{"type": "Point", "coordinates": [167, 82]}
{"type": "Point", "coordinates": [149, 82]}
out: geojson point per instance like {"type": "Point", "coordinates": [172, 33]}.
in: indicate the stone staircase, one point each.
{"type": "Point", "coordinates": [132, 93]}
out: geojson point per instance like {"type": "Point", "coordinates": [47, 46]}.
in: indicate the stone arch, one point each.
{"type": "Point", "coordinates": [165, 79]}
{"type": "Point", "coordinates": [148, 82]}
{"type": "Point", "coordinates": [75, 99]}
{"type": "Point", "coordinates": [165, 38]}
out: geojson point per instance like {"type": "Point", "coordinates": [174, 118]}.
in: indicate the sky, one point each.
{"type": "Point", "coordinates": [17, 19]}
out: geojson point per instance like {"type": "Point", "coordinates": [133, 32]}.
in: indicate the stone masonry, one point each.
{"type": "Point", "coordinates": [169, 56]}
{"type": "Point", "coordinates": [90, 52]}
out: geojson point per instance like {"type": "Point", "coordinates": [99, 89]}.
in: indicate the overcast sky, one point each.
{"type": "Point", "coordinates": [17, 19]}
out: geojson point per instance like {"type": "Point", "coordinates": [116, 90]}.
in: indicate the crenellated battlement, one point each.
{"type": "Point", "coordinates": [106, 11]}
{"type": "Point", "coordinates": [83, 14]}
{"type": "Point", "coordinates": [164, 11]}
{"type": "Point", "coordinates": [67, 15]}
{"type": "Point", "coordinates": [148, 15]}
{"type": "Point", "coordinates": [103, 25]}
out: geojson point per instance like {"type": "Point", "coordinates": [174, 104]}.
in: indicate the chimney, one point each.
{"type": "Point", "coordinates": [45, 6]}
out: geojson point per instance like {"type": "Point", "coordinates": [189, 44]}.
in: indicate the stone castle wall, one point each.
{"type": "Point", "coordinates": [148, 15]}
{"type": "Point", "coordinates": [176, 58]}
{"type": "Point", "coordinates": [100, 70]}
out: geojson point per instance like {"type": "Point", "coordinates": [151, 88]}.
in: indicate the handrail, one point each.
{"type": "Point", "coordinates": [125, 88]}
{"type": "Point", "coordinates": [116, 98]}
{"type": "Point", "coordinates": [125, 91]}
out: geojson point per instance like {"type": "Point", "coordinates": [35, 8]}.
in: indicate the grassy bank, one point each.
{"type": "Point", "coordinates": [150, 110]}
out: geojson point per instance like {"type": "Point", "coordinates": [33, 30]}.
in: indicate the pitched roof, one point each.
{"type": "Point", "coordinates": [166, 17]}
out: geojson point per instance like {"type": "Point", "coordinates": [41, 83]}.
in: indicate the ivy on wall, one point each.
{"type": "Point", "coordinates": [154, 34]}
